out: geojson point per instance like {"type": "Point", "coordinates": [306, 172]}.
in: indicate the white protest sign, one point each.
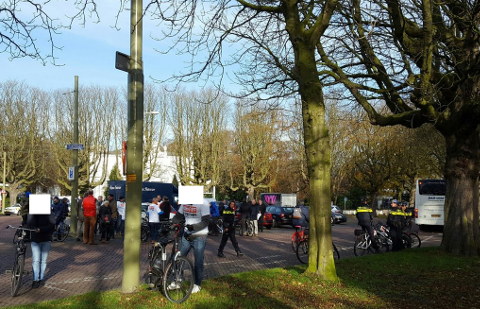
{"type": "Point", "coordinates": [190, 195]}
{"type": "Point", "coordinates": [39, 204]}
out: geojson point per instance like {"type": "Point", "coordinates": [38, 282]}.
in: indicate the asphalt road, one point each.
{"type": "Point", "coordinates": [74, 268]}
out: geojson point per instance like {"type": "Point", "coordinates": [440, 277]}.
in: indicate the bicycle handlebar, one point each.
{"type": "Point", "coordinates": [20, 228]}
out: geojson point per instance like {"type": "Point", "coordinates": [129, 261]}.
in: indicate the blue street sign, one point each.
{"type": "Point", "coordinates": [71, 173]}
{"type": "Point", "coordinates": [74, 146]}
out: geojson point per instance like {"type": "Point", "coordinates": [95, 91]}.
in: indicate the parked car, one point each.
{"type": "Point", "coordinates": [267, 220]}
{"type": "Point", "coordinates": [281, 215]}
{"type": "Point", "coordinates": [337, 215]}
{"type": "Point", "coordinates": [338, 218]}
{"type": "Point", "coordinates": [12, 210]}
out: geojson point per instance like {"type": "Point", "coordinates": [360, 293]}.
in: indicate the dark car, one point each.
{"type": "Point", "coordinates": [281, 215]}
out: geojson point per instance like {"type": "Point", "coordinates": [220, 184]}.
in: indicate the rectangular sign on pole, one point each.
{"type": "Point", "coordinates": [71, 173]}
{"type": "Point", "coordinates": [74, 146]}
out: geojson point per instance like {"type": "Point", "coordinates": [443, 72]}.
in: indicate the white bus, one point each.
{"type": "Point", "coordinates": [430, 202]}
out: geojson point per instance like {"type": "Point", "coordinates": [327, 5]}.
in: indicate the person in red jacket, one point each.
{"type": "Point", "coordinates": [90, 218]}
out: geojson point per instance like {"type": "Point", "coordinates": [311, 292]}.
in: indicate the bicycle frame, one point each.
{"type": "Point", "coordinates": [19, 262]}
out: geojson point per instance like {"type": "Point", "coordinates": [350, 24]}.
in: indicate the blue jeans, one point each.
{"type": "Point", "coordinates": [198, 245]}
{"type": "Point", "coordinates": [39, 259]}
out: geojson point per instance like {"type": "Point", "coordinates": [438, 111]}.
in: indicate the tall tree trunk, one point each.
{"type": "Point", "coordinates": [317, 147]}
{"type": "Point", "coordinates": [462, 228]}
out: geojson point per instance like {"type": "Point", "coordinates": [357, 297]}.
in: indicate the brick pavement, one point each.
{"type": "Point", "coordinates": [74, 268]}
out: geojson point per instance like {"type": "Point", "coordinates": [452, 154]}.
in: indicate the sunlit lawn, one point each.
{"type": "Point", "coordinates": [417, 278]}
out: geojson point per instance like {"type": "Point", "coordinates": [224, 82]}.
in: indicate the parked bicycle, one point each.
{"type": "Point", "coordinates": [303, 247]}
{"type": "Point", "coordinates": [19, 239]}
{"type": "Point", "coordinates": [61, 232]}
{"type": "Point", "coordinates": [173, 274]}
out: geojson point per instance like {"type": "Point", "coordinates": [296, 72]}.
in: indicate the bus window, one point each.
{"type": "Point", "coordinates": [432, 187]}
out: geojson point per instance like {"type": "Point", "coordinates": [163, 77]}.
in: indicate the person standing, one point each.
{"type": "Point", "coordinates": [121, 207]}
{"type": "Point", "coordinates": [113, 206]}
{"type": "Point", "coordinates": [244, 216]}
{"type": "Point", "coordinates": [396, 222]}
{"type": "Point", "coordinates": [262, 208]}
{"type": "Point", "coordinates": [228, 216]}
{"type": "Point", "coordinates": [196, 218]}
{"type": "Point", "coordinates": [41, 244]}
{"type": "Point", "coordinates": [106, 222]}
{"type": "Point", "coordinates": [214, 215]}
{"type": "Point", "coordinates": [165, 209]}
{"type": "Point", "coordinates": [90, 217]}
{"type": "Point", "coordinates": [154, 219]}
{"type": "Point", "coordinates": [80, 217]}
{"type": "Point", "coordinates": [254, 211]}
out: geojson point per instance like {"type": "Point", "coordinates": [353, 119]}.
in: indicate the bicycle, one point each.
{"type": "Point", "coordinates": [173, 274]}
{"type": "Point", "coordinates": [19, 239]}
{"type": "Point", "coordinates": [298, 236]}
{"type": "Point", "coordinates": [363, 242]}
{"type": "Point", "coordinates": [62, 231]}
{"type": "Point", "coordinates": [250, 227]}
{"type": "Point", "coordinates": [302, 251]}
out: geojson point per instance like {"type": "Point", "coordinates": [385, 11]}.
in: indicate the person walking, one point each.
{"type": "Point", "coordinates": [44, 226]}
{"type": "Point", "coordinates": [214, 215]}
{"type": "Point", "coordinates": [90, 217]}
{"type": "Point", "coordinates": [228, 216]}
{"type": "Point", "coordinates": [196, 218]}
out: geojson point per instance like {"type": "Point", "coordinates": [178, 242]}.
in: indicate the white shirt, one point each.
{"type": "Point", "coordinates": [193, 215]}
{"type": "Point", "coordinates": [121, 209]}
{"type": "Point", "coordinates": [153, 211]}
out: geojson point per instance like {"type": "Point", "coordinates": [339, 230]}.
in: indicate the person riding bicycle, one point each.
{"type": "Point", "coordinates": [365, 220]}
{"type": "Point", "coordinates": [396, 221]}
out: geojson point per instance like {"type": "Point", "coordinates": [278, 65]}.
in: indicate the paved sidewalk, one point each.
{"type": "Point", "coordinates": [74, 268]}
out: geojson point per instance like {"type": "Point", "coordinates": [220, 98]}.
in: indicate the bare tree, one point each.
{"type": "Point", "coordinates": [417, 62]}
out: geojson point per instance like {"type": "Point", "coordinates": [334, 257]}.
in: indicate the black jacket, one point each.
{"type": "Point", "coordinates": [45, 223]}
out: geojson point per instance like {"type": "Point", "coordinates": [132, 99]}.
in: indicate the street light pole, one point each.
{"type": "Point", "coordinates": [73, 200]}
{"type": "Point", "coordinates": [131, 260]}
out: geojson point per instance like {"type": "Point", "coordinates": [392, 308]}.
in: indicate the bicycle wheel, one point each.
{"type": "Point", "coordinates": [336, 253]}
{"type": "Point", "coordinates": [302, 251]}
{"type": "Point", "coordinates": [407, 241]}
{"type": "Point", "coordinates": [62, 231]}
{"type": "Point", "coordinates": [362, 245]}
{"type": "Point", "coordinates": [178, 280]}
{"type": "Point", "coordinates": [416, 242]}
{"type": "Point", "coordinates": [250, 228]}
{"type": "Point", "coordinates": [17, 274]}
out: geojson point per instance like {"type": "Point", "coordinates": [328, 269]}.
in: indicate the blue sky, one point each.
{"type": "Point", "coordinates": [89, 52]}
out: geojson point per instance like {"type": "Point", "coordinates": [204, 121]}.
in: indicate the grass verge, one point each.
{"type": "Point", "coordinates": [419, 278]}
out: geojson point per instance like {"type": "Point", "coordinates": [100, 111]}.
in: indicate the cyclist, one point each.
{"type": "Point", "coordinates": [228, 216]}
{"type": "Point", "coordinates": [365, 220]}
{"type": "Point", "coordinates": [396, 221]}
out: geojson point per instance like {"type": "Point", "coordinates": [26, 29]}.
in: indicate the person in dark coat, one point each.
{"type": "Point", "coordinates": [228, 216]}
{"type": "Point", "coordinates": [44, 226]}
{"type": "Point", "coordinates": [106, 223]}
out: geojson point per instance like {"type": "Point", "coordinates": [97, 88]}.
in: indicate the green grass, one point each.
{"type": "Point", "coordinates": [420, 278]}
